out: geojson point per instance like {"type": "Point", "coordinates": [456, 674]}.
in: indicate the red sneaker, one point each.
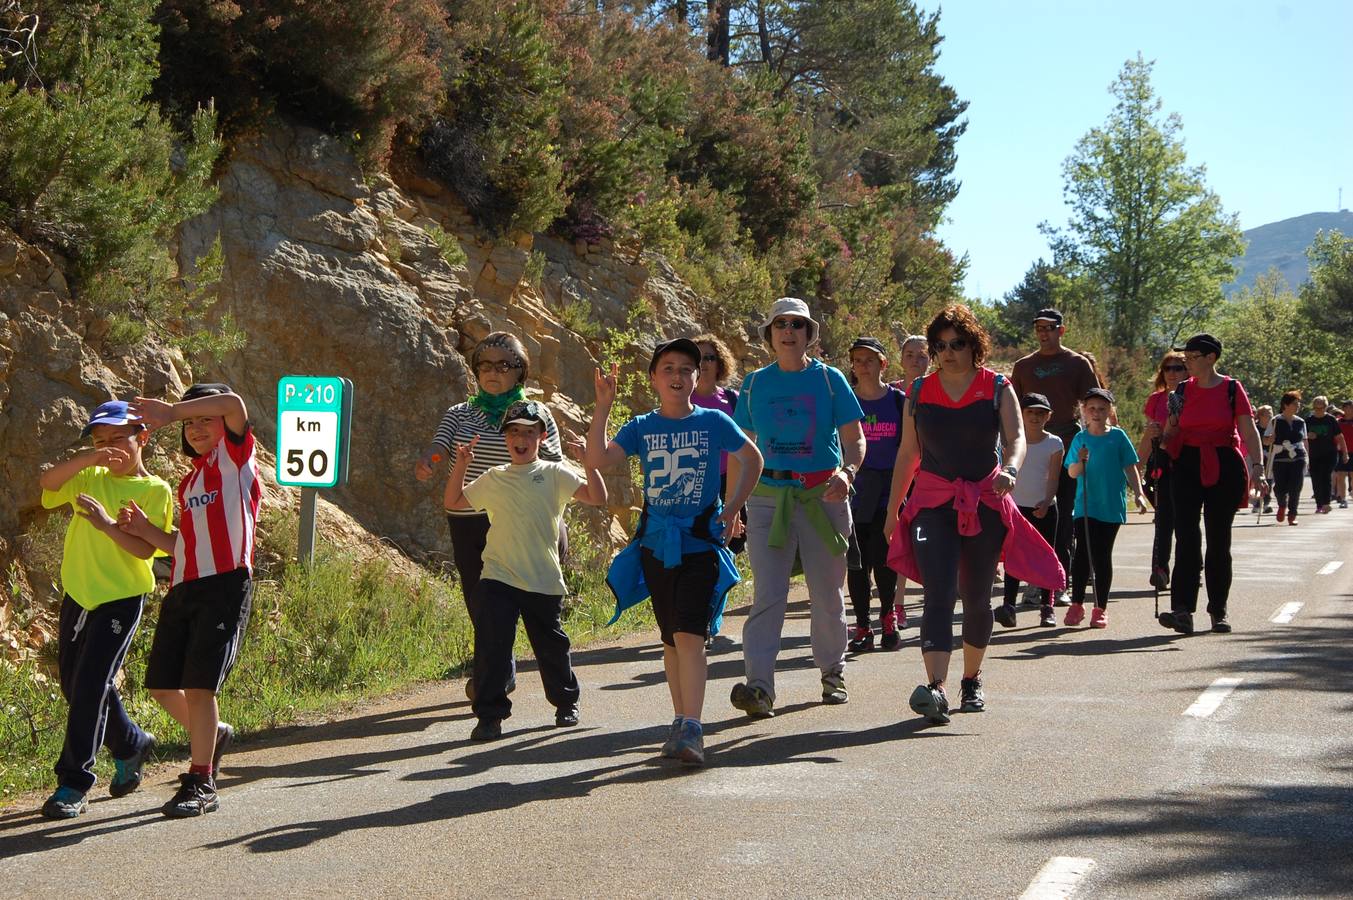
{"type": "Point", "coordinates": [1075, 614]}
{"type": "Point", "coordinates": [1099, 618]}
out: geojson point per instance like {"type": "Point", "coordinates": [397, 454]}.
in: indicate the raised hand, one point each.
{"type": "Point", "coordinates": [465, 453]}
{"type": "Point", "coordinates": [152, 413]}
{"type": "Point", "coordinates": [605, 385]}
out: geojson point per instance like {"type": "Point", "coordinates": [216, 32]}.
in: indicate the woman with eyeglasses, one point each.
{"type": "Point", "coordinates": [960, 517]}
{"type": "Point", "coordinates": [718, 366]}
{"type": "Point", "coordinates": [501, 366]}
{"type": "Point", "coordinates": [1157, 464]}
{"type": "Point", "coordinates": [805, 420]}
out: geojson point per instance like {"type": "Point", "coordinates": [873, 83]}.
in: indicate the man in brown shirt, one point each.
{"type": "Point", "coordinates": [1063, 376]}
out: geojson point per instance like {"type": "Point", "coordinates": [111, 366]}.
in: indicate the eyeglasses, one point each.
{"type": "Point", "coordinates": [1175, 367]}
{"type": "Point", "coordinates": [782, 324]}
{"type": "Point", "coordinates": [956, 345]}
{"type": "Point", "coordinates": [708, 357]}
{"type": "Point", "coordinates": [1048, 327]}
{"type": "Point", "coordinates": [1193, 357]}
{"type": "Point", "coordinates": [484, 366]}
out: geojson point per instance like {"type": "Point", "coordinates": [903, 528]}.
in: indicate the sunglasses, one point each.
{"type": "Point", "coordinates": [782, 324]}
{"type": "Point", "coordinates": [956, 345]}
{"type": "Point", "coordinates": [1175, 367]}
{"type": "Point", "coordinates": [708, 357]}
{"type": "Point", "coordinates": [485, 366]}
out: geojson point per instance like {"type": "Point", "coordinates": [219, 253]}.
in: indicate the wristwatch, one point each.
{"type": "Point", "coordinates": [1011, 471]}
{"type": "Point", "coordinates": [850, 472]}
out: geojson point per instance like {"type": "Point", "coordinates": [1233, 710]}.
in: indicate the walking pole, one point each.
{"type": "Point", "coordinates": [1085, 508]}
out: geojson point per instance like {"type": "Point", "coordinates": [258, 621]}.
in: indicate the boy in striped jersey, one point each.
{"type": "Point", "coordinates": [203, 617]}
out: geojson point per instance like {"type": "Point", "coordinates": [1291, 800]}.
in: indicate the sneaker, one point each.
{"type": "Point", "coordinates": [1220, 625]}
{"type": "Point", "coordinates": [1160, 578]}
{"type": "Point", "coordinates": [1099, 618]}
{"type": "Point", "coordinates": [1033, 595]}
{"type": "Point", "coordinates": [1005, 614]}
{"type": "Point", "coordinates": [1046, 617]}
{"type": "Point", "coordinates": [690, 746]}
{"type": "Point", "coordinates": [929, 702]}
{"type": "Point", "coordinates": [754, 701]}
{"type": "Point", "coordinates": [1282, 513]}
{"type": "Point", "coordinates": [65, 803]}
{"type": "Point", "coordinates": [1075, 615]}
{"type": "Point", "coordinates": [973, 700]}
{"type": "Point", "coordinates": [225, 736]}
{"type": "Point", "coordinates": [669, 746]}
{"type": "Point", "coordinates": [487, 730]}
{"type": "Point", "coordinates": [196, 796]}
{"type": "Point", "coordinates": [862, 639]}
{"type": "Point", "coordinates": [1343, 504]}
{"type": "Point", "coordinates": [892, 638]}
{"type": "Point", "coordinates": [834, 689]}
{"type": "Point", "coordinates": [1183, 622]}
{"type": "Point", "coordinates": [127, 772]}
{"type": "Point", "coordinates": [1063, 598]}
{"type": "Point", "coordinates": [566, 716]}
{"type": "Point", "coordinates": [1268, 507]}
{"type": "Point", "coordinates": [1292, 519]}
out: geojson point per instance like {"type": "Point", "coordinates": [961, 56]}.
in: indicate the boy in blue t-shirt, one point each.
{"type": "Point", "coordinates": [679, 547]}
{"type": "Point", "coordinates": [1103, 461]}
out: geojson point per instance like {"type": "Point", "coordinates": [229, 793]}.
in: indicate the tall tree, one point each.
{"type": "Point", "coordinates": [1144, 226]}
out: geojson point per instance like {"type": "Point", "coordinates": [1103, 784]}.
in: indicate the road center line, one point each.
{"type": "Point", "coordinates": [1058, 878]}
{"type": "Point", "coordinates": [1212, 697]}
{"type": "Point", "coordinates": [1330, 567]}
{"type": "Point", "coordinates": [1286, 613]}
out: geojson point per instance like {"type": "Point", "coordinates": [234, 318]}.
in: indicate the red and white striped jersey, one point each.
{"type": "Point", "coordinates": [218, 503]}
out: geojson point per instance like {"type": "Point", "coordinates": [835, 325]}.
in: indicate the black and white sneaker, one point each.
{"type": "Point", "coordinates": [929, 701]}
{"type": "Point", "coordinates": [196, 796]}
{"type": "Point", "coordinates": [225, 736]}
{"type": "Point", "coordinates": [1005, 615]}
{"type": "Point", "coordinates": [973, 700]}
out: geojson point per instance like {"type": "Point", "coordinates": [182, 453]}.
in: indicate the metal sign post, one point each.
{"type": "Point", "coordinates": [314, 427]}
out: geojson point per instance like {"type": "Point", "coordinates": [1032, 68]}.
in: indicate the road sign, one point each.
{"type": "Point", "coordinates": [314, 423]}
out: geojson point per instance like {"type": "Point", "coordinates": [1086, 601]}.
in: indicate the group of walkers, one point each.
{"type": "Point", "coordinates": [860, 482]}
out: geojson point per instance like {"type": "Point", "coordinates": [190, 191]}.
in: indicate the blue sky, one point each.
{"type": "Point", "coordinates": [1265, 91]}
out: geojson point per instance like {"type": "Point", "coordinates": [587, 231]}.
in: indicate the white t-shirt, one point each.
{"type": "Point", "coordinates": [1031, 487]}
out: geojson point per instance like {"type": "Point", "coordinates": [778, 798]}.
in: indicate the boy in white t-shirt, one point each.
{"type": "Point", "coordinates": [1035, 493]}
{"type": "Point", "coordinates": [525, 501]}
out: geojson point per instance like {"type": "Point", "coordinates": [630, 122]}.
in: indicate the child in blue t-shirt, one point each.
{"type": "Point", "coordinates": [1103, 461]}
{"type": "Point", "coordinates": [678, 555]}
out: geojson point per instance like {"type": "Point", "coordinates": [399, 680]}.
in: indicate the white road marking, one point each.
{"type": "Point", "coordinates": [1212, 697]}
{"type": "Point", "coordinates": [1330, 567]}
{"type": "Point", "coordinates": [1058, 878]}
{"type": "Point", "coordinates": [1286, 613]}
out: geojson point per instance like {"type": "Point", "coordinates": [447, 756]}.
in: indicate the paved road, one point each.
{"type": "Point", "coordinates": [1085, 768]}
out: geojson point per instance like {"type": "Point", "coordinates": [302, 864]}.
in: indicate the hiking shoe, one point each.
{"type": "Point", "coordinates": [1183, 622]}
{"type": "Point", "coordinates": [1220, 625]}
{"type": "Point", "coordinates": [65, 803]}
{"type": "Point", "coordinates": [892, 638]}
{"type": "Point", "coordinates": [196, 796]}
{"type": "Point", "coordinates": [754, 701]}
{"type": "Point", "coordinates": [1075, 615]}
{"type": "Point", "coordinates": [1062, 598]}
{"type": "Point", "coordinates": [834, 689]}
{"type": "Point", "coordinates": [690, 745]}
{"type": "Point", "coordinates": [1046, 617]}
{"type": "Point", "coordinates": [1160, 578]}
{"type": "Point", "coordinates": [1033, 595]}
{"type": "Point", "coordinates": [929, 702]}
{"type": "Point", "coordinates": [862, 639]}
{"type": "Point", "coordinates": [127, 772]}
{"type": "Point", "coordinates": [669, 745]}
{"type": "Point", "coordinates": [973, 700]}
{"type": "Point", "coordinates": [225, 736]}
{"type": "Point", "coordinates": [1099, 618]}
{"type": "Point", "coordinates": [1005, 614]}
{"type": "Point", "coordinates": [566, 716]}
{"type": "Point", "coordinates": [487, 730]}
{"type": "Point", "coordinates": [1292, 519]}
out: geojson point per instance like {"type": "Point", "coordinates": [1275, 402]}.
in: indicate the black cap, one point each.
{"type": "Point", "coordinates": [868, 343]}
{"type": "Point", "coordinates": [523, 412]}
{"type": "Point", "coordinates": [1101, 393]}
{"type": "Point", "coordinates": [1048, 315]}
{"type": "Point", "coordinates": [1202, 342]}
{"type": "Point", "coordinates": [1034, 401]}
{"type": "Point", "coordinates": [677, 345]}
{"type": "Point", "coordinates": [201, 389]}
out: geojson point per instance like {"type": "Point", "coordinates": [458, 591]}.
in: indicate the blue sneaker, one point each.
{"type": "Point", "coordinates": [65, 803]}
{"type": "Point", "coordinates": [127, 772]}
{"type": "Point", "coordinates": [690, 746]}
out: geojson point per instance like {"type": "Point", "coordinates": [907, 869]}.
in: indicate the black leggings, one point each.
{"type": "Point", "coordinates": [952, 566]}
{"type": "Point", "coordinates": [873, 559]}
{"type": "Point", "coordinates": [1322, 478]}
{"type": "Point", "coordinates": [1164, 524]}
{"type": "Point", "coordinates": [1287, 480]}
{"type": "Point", "coordinates": [1094, 545]}
{"type": "Point", "coordinates": [1046, 526]}
{"type": "Point", "coordinates": [1218, 505]}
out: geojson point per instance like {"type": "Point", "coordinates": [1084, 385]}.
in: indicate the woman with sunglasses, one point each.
{"type": "Point", "coordinates": [1157, 463]}
{"type": "Point", "coordinates": [718, 366]}
{"type": "Point", "coordinates": [805, 420]}
{"type": "Point", "coordinates": [501, 366]}
{"type": "Point", "coordinates": [960, 518]}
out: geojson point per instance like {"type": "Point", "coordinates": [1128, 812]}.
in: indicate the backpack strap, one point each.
{"type": "Point", "coordinates": [996, 391]}
{"type": "Point", "coordinates": [1231, 394]}
{"type": "Point", "coordinates": [915, 396]}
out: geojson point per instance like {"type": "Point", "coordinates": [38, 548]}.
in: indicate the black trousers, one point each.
{"type": "Point", "coordinates": [1217, 505]}
{"type": "Point", "coordinates": [1046, 526]}
{"type": "Point", "coordinates": [952, 566]}
{"type": "Point", "coordinates": [1287, 481]}
{"type": "Point", "coordinates": [90, 650]}
{"type": "Point", "coordinates": [873, 560]}
{"type": "Point", "coordinates": [1322, 477]}
{"type": "Point", "coordinates": [468, 536]}
{"type": "Point", "coordinates": [1094, 549]}
{"type": "Point", "coordinates": [498, 606]}
{"type": "Point", "coordinates": [1163, 540]}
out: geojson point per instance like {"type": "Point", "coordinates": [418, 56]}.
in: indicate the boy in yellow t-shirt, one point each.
{"type": "Point", "coordinates": [105, 576]}
{"type": "Point", "coordinates": [525, 500]}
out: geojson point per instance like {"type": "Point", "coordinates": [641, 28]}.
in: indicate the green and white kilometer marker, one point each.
{"type": "Point", "coordinates": [314, 416]}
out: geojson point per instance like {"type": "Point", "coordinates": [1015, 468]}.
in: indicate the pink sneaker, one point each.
{"type": "Point", "coordinates": [1075, 614]}
{"type": "Point", "coordinates": [1099, 618]}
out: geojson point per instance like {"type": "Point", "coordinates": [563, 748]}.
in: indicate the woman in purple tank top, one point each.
{"type": "Point", "coordinates": [718, 366]}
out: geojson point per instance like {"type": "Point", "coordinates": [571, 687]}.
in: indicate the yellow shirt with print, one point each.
{"type": "Point", "coordinates": [525, 504]}
{"type": "Point", "coordinates": [94, 569]}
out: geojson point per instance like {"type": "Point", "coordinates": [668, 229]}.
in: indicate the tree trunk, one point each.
{"type": "Point", "coordinates": [763, 32]}
{"type": "Point", "coordinates": [720, 30]}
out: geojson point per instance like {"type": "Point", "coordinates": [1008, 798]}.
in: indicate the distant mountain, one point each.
{"type": "Point", "coordinates": [1283, 245]}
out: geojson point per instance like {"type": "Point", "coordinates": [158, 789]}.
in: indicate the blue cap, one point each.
{"type": "Point", "coordinates": [114, 412]}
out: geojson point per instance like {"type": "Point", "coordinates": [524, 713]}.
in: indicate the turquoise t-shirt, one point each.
{"type": "Point", "coordinates": [1102, 485]}
{"type": "Point", "coordinates": [795, 415]}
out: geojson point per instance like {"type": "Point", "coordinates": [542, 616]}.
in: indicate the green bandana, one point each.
{"type": "Point", "coordinates": [494, 406]}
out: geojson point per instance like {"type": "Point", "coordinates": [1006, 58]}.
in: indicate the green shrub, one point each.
{"type": "Point", "coordinates": [450, 250]}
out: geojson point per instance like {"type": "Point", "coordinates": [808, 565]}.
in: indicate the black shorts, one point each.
{"type": "Point", "coordinates": [199, 633]}
{"type": "Point", "coordinates": [682, 596]}
{"type": "Point", "coordinates": [1344, 466]}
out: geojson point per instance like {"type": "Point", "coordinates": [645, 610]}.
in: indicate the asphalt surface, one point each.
{"type": "Point", "coordinates": [1085, 771]}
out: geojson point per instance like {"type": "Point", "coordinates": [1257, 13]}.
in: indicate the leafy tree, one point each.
{"type": "Point", "coordinates": [1016, 310]}
{"type": "Point", "coordinates": [1265, 345]}
{"type": "Point", "coordinates": [1144, 227]}
{"type": "Point", "coordinates": [1327, 298]}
